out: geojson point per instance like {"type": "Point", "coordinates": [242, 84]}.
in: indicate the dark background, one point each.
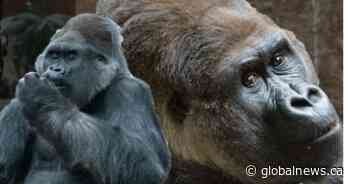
{"type": "Point", "coordinates": [318, 23]}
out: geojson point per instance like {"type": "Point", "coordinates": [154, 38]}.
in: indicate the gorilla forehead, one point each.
{"type": "Point", "coordinates": [68, 36]}
{"type": "Point", "coordinates": [102, 34]}
{"type": "Point", "coordinates": [233, 35]}
{"type": "Point", "coordinates": [237, 29]}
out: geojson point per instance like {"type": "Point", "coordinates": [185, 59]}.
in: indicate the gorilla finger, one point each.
{"type": "Point", "coordinates": [19, 87]}
{"type": "Point", "coordinates": [20, 82]}
{"type": "Point", "coordinates": [30, 75]}
{"type": "Point", "coordinates": [47, 83]}
{"type": "Point", "coordinates": [30, 79]}
{"type": "Point", "coordinates": [45, 80]}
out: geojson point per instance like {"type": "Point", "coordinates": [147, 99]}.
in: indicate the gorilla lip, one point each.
{"type": "Point", "coordinates": [59, 84]}
{"type": "Point", "coordinates": [334, 128]}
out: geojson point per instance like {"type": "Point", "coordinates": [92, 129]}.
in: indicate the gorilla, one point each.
{"type": "Point", "coordinates": [82, 117]}
{"type": "Point", "coordinates": [232, 89]}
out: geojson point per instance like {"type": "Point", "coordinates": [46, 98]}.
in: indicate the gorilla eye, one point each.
{"type": "Point", "coordinates": [277, 60]}
{"type": "Point", "coordinates": [250, 79]}
{"type": "Point", "coordinates": [71, 55]}
{"type": "Point", "coordinates": [101, 58]}
{"type": "Point", "coordinates": [53, 54]}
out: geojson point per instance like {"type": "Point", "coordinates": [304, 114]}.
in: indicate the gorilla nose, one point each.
{"type": "Point", "coordinates": [299, 102]}
{"type": "Point", "coordinates": [305, 114]}
{"type": "Point", "coordinates": [56, 70]}
{"type": "Point", "coordinates": [306, 102]}
{"type": "Point", "coordinates": [306, 98]}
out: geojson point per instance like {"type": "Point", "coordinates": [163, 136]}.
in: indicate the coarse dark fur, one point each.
{"type": "Point", "coordinates": [82, 117]}
{"type": "Point", "coordinates": [232, 88]}
{"type": "Point", "coordinates": [23, 37]}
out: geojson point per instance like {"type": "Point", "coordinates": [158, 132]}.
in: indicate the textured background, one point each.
{"type": "Point", "coordinates": [318, 23]}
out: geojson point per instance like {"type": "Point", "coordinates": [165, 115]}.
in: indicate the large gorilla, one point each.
{"type": "Point", "coordinates": [233, 89]}
{"type": "Point", "coordinates": [82, 117]}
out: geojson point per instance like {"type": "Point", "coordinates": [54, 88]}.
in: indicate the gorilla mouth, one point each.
{"type": "Point", "coordinates": [59, 84]}
{"type": "Point", "coordinates": [329, 132]}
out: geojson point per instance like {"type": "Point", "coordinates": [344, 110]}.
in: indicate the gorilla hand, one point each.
{"type": "Point", "coordinates": [38, 96]}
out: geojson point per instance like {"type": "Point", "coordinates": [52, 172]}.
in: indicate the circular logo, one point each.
{"type": "Point", "coordinates": [250, 170]}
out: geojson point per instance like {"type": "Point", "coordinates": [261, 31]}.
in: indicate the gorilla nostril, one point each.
{"type": "Point", "coordinates": [299, 102]}
{"type": "Point", "coordinates": [56, 69]}
{"type": "Point", "coordinates": [313, 95]}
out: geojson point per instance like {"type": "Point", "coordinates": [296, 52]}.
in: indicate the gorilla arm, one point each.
{"type": "Point", "coordinates": [14, 139]}
{"type": "Point", "coordinates": [107, 153]}
{"type": "Point", "coordinates": [88, 145]}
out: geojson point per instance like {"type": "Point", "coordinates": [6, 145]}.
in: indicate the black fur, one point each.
{"type": "Point", "coordinates": [82, 129]}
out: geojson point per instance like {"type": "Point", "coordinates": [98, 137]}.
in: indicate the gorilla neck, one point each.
{"type": "Point", "coordinates": [195, 160]}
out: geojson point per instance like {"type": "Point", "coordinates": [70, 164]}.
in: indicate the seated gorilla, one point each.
{"type": "Point", "coordinates": [82, 117]}
{"type": "Point", "coordinates": [233, 89]}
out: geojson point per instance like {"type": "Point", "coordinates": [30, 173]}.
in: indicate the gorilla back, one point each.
{"type": "Point", "coordinates": [82, 117]}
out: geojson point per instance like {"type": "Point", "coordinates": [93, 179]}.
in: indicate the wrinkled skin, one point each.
{"type": "Point", "coordinates": [82, 117]}
{"type": "Point", "coordinates": [232, 89]}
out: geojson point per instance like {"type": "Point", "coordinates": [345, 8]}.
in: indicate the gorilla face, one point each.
{"type": "Point", "coordinates": [272, 111]}
{"type": "Point", "coordinates": [278, 83]}
{"type": "Point", "coordinates": [76, 67]}
{"type": "Point", "coordinates": [250, 97]}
